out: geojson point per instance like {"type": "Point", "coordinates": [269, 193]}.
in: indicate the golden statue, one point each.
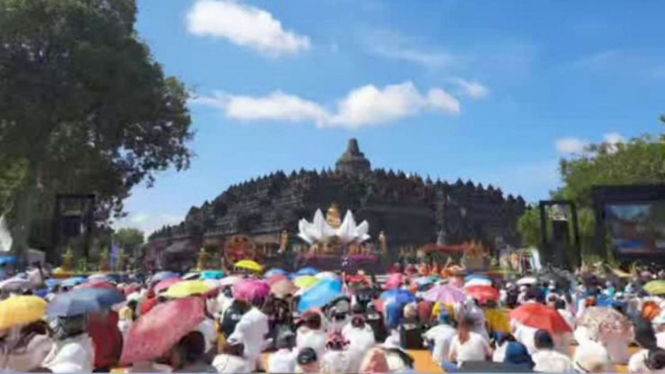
{"type": "Point", "coordinates": [332, 217]}
{"type": "Point", "coordinates": [382, 243]}
{"type": "Point", "coordinates": [67, 259]}
{"type": "Point", "coordinates": [203, 260]}
{"type": "Point", "coordinates": [283, 241]}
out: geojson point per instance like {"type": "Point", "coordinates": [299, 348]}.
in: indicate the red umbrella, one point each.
{"type": "Point", "coordinates": [155, 333]}
{"type": "Point", "coordinates": [483, 293]}
{"type": "Point", "coordinates": [106, 285]}
{"type": "Point", "coordinates": [540, 317]}
{"type": "Point", "coordinates": [131, 289]}
{"type": "Point", "coordinates": [165, 284]}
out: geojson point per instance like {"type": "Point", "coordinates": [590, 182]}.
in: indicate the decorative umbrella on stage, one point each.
{"type": "Point", "coordinates": [283, 287]}
{"type": "Point", "coordinates": [446, 294]}
{"type": "Point", "coordinates": [248, 265]}
{"type": "Point", "coordinates": [320, 295]}
{"type": "Point", "coordinates": [274, 271]}
{"type": "Point", "coordinates": [21, 310]}
{"type": "Point", "coordinates": [394, 281]}
{"type": "Point", "coordinates": [607, 321]}
{"type": "Point", "coordinates": [153, 334]}
{"type": "Point", "coordinates": [656, 287]}
{"type": "Point", "coordinates": [397, 295]}
{"type": "Point", "coordinates": [306, 271]}
{"type": "Point", "coordinates": [83, 301]}
{"type": "Point", "coordinates": [483, 293]}
{"type": "Point", "coordinates": [166, 284]}
{"type": "Point", "coordinates": [306, 281]}
{"type": "Point", "coordinates": [187, 288]}
{"type": "Point", "coordinates": [251, 289]}
{"type": "Point", "coordinates": [540, 317]}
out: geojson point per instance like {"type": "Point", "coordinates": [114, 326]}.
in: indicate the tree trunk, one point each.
{"type": "Point", "coordinates": [24, 205]}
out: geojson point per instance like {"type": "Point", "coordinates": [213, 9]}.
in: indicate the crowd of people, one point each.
{"type": "Point", "coordinates": [328, 322]}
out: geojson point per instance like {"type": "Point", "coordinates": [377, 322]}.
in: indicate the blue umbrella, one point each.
{"type": "Point", "coordinates": [399, 296]}
{"type": "Point", "coordinates": [83, 301]}
{"type": "Point", "coordinates": [476, 276]}
{"type": "Point", "coordinates": [423, 281]}
{"type": "Point", "coordinates": [164, 275]}
{"type": "Point", "coordinates": [74, 281]}
{"type": "Point", "coordinates": [320, 295]}
{"type": "Point", "coordinates": [52, 283]}
{"type": "Point", "coordinates": [306, 271]}
{"type": "Point", "coordinates": [8, 260]}
{"type": "Point", "coordinates": [212, 274]}
{"type": "Point", "coordinates": [273, 272]}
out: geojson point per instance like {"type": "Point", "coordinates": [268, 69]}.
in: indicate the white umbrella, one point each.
{"type": "Point", "coordinates": [527, 281]}
{"type": "Point", "coordinates": [15, 284]}
{"type": "Point", "coordinates": [478, 282]}
{"type": "Point", "coordinates": [228, 281]}
{"type": "Point", "coordinates": [326, 275]}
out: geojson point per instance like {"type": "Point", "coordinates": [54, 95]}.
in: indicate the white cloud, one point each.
{"type": "Point", "coordinates": [430, 59]}
{"type": "Point", "coordinates": [244, 25]}
{"type": "Point", "coordinates": [471, 89]}
{"type": "Point", "coordinates": [148, 223]}
{"type": "Point", "coordinates": [363, 106]}
{"type": "Point", "coordinates": [613, 138]}
{"type": "Point", "coordinates": [570, 146]}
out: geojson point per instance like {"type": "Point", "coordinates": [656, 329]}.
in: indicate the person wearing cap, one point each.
{"type": "Point", "coordinates": [307, 361]}
{"type": "Point", "coordinates": [360, 337]}
{"type": "Point", "coordinates": [439, 337]}
{"type": "Point", "coordinates": [546, 358]}
{"type": "Point", "coordinates": [310, 333]}
{"type": "Point", "coordinates": [231, 358]}
{"type": "Point", "coordinates": [284, 359]}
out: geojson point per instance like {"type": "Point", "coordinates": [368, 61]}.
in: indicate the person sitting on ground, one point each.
{"type": "Point", "coordinates": [231, 359]}
{"type": "Point", "coordinates": [546, 359]}
{"type": "Point", "coordinates": [467, 345]}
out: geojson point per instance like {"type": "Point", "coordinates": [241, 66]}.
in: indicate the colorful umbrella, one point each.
{"type": "Point", "coordinates": [540, 317]}
{"type": "Point", "coordinates": [21, 310]}
{"type": "Point", "coordinates": [100, 285]}
{"type": "Point", "coordinates": [656, 287]}
{"type": "Point", "coordinates": [320, 295]}
{"type": "Point", "coordinates": [423, 281]}
{"type": "Point", "coordinates": [283, 287]}
{"type": "Point", "coordinates": [186, 289]}
{"type": "Point", "coordinates": [83, 301]}
{"type": "Point", "coordinates": [483, 293]}
{"type": "Point", "coordinates": [527, 281]}
{"type": "Point", "coordinates": [155, 333]}
{"type": "Point", "coordinates": [248, 265]}
{"type": "Point", "coordinates": [165, 284]}
{"type": "Point", "coordinates": [477, 282]}
{"type": "Point", "coordinates": [229, 281]}
{"type": "Point", "coordinates": [608, 321]}
{"type": "Point", "coordinates": [15, 284]}
{"type": "Point", "coordinates": [212, 274]}
{"type": "Point", "coordinates": [274, 271]}
{"type": "Point", "coordinates": [98, 278]}
{"type": "Point", "coordinates": [250, 289]}
{"type": "Point", "coordinates": [164, 275]}
{"type": "Point", "coordinates": [276, 278]}
{"type": "Point", "coordinates": [306, 281]}
{"type": "Point", "coordinates": [71, 282]}
{"type": "Point", "coordinates": [446, 294]}
{"type": "Point", "coordinates": [397, 295]}
{"type": "Point", "coordinates": [394, 281]}
{"type": "Point", "coordinates": [192, 276]}
{"type": "Point", "coordinates": [306, 271]}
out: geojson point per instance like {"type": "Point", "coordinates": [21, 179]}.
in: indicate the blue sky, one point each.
{"type": "Point", "coordinates": [495, 92]}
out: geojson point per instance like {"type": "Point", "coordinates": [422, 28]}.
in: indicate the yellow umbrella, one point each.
{"type": "Point", "coordinates": [187, 288]}
{"type": "Point", "coordinates": [306, 281]}
{"type": "Point", "coordinates": [248, 265]}
{"type": "Point", "coordinates": [20, 310]}
{"type": "Point", "coordinates": [656, 287]}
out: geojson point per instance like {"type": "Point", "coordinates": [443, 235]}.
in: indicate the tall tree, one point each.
{"type": "Point", "coordinates": [129, 239]}
{"type": "Point", "coordinates": [83, 104]}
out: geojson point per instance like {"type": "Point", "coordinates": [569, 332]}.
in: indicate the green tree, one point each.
{"type": "Point", "coordinates": [129, 239]}
{"type": "Point", "coordinates": [83, 104]}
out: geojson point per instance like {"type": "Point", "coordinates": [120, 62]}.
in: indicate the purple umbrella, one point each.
{"type": "Point", "coordinates": [445, 294]}
{"type": "Point", "coordinates": [251, 289]}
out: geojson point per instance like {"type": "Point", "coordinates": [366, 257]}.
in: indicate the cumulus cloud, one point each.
{"type": "Point", "coordinates": [148, 223]}
{"type": "Point", "coordinates": [244, 25]}
{"type": "Point", "coordinates": [364, 106]}
{"type": "Point", "coordinates": [471, 89]}
{"type": "Point", "coordinates": [570, 146]}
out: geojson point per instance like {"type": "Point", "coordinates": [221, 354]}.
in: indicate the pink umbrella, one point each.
{"type": "Point", "coordinates": [276, 278]}
{"type": "Point", "coordinates": [456, 281]}
{"type": "Point", "coordinates": [165, 284]}
{"type": "Point", "coordinates": [250, 289]}
{"type": "Point", "coordinates": [445, 294]}
{"type": "Point", "coordinates": [394, 281]}
{"type": "Point", "coordinates": [153, 334]}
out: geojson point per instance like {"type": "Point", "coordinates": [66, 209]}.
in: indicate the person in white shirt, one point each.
{"type": "Point", "coordinates": [231, 360]}
{"type": "Point", "coordinates": [468, 345]}
{"type": "Point", "coordinates": [284, 359]}
{"type": "Point", "coordinates": [439, 338]}
{"type": "Point", "coordinates": [72, 350]}
{"type": "Point", "coordinates": [592, 357]}
{"type": "Point", "coordinates": [546, 358]}
{"type": "Point", "coordinates": [336, 359]}
{"type": "Point", "coordinates": [311, 333]}
{"type": "Point", "coordinates": [560, 306]}
{"type": "Point", "coordinates": [253, 327]}
{"type": "Point", "coordinates": [307, 361]}
{"type": "Point", "coordinates": [647, 361]}
{"type": "Point", "coordinates": [360, 337]}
